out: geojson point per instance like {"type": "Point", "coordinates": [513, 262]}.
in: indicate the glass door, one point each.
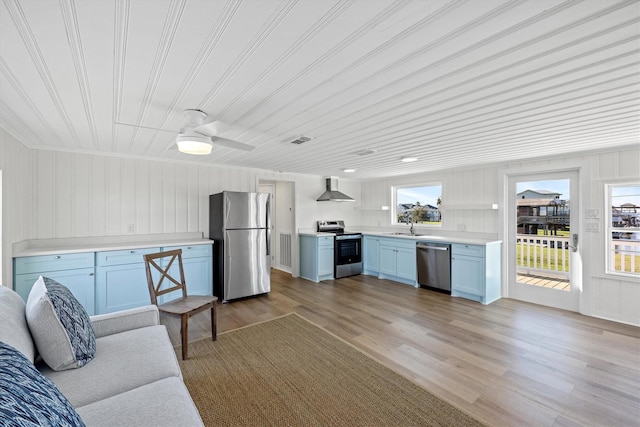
{"type": "Point", "coordinates": [544, 245]}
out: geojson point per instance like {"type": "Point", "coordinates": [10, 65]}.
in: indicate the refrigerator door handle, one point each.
{"type": "Point", "coordinates": [268, 224]}
{"type": "Point", "coordinates": [268, 242]}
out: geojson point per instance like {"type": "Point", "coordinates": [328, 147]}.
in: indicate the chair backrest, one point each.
{"type": "Point", "coordinates": [155, 287]}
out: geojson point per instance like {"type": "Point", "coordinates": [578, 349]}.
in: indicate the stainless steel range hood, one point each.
{"type": "Point", "coordinates": [332, 194]}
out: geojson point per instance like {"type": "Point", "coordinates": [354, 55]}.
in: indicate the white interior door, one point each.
{"type": "Point", "coordinates": [543, 244]}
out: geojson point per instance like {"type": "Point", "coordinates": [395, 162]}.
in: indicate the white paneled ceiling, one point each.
{"type": "Point", "coordinates": [454, 83]}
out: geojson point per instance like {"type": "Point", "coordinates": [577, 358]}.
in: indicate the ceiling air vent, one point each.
{"type": "Point", "coordinates": [300, 139]}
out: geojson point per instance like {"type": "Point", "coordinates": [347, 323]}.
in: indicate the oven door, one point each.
{"type": "Point", "coordinates": [348, 255]}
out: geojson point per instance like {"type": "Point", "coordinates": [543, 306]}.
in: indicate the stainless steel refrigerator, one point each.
{"type": "Point", "coordinates": [239, 223]}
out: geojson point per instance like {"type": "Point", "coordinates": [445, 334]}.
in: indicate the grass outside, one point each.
{"type": "Point", "coordinates": [545, 259]}
{"type": "Point", "coordinates": [627, 263]}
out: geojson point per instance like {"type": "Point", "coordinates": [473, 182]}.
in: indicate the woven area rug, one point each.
{"type": "Point", "coordinates": [289, 372]}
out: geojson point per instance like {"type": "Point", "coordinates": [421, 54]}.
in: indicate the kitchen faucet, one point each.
{"type": "Point", "coordinates": [410, 229]}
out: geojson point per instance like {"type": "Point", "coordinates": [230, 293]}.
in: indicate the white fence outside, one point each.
{"type": "Point", "coordinates": [549, 255]}
{"type": "Point", "coordinates": [627, 253]}
{"type": "Point", "coordinates": [546, 256]}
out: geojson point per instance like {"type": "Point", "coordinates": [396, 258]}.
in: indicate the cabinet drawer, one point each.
{"type": "Point", "coordinates": [387, 242]}
{"type": "Point", "coordinates": [398, 243]}
{"type": "Point", "coordinates": [193, 251]}
{"type": "Point", "coordinates": [470, 250]}
{"type": "Point", "coordinates": [127, 256]}
{"type": "Point", "coordinates": [37, 264]}
{"type": "Point", "coordinates": [325, 241]}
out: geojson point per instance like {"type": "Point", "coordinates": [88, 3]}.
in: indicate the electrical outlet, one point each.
{"type": "Point", "coordinates": [461, 227]}
{"type": "Point", "coordinates": [131, 228]}
{"type": "Point", "coordinates": [593, 213]}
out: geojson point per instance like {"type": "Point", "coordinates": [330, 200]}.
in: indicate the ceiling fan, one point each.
{"type": "Point", "coordinates": [197, 137]}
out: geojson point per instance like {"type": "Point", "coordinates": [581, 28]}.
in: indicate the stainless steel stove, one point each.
{"type": "Point", "coordinates": [347, 249]}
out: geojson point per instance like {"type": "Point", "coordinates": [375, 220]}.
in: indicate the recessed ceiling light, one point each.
{"type": "Point", "coordinates": [348, 170]}
{"type": "Point", "coordinates": [409, 159]}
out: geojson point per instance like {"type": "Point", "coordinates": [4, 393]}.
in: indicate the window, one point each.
{"type": "Point", "coordinates": [623, 211]}
{"type": "Point", "coordinates": [417, 203]}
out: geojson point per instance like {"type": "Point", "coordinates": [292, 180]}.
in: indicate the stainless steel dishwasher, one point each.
{"type": "Point", "coordinates": [434, 266]}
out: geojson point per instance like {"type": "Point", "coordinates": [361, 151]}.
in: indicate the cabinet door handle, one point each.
{"type": "Point", "coordinates": [91, 274]}
{"type": "Point", "coordinates": [133, 252]}
{"type": "Point", "coordinates": [57, 256]}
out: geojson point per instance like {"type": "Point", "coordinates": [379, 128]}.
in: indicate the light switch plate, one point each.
{"type": "Point", "coordinates": [593, 227]}
{"type": "Point", "coordinates": [593, 213]}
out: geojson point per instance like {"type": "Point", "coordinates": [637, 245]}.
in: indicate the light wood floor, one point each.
{"type": "Point", "coordinates": [508, 363]}
{"type": "Point", "coordinates": [545, 282]}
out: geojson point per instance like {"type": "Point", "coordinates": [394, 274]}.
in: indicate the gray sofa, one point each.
{"type": "Point", "coordinates": [134, 378]}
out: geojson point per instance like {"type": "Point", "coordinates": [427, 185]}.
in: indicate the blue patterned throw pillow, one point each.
{"type": "Point", "coordinates": [27, 398]}
{"type": "Point", "coordinates": [60, 326]}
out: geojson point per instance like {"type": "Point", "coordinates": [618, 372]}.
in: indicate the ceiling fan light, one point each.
{"type": "Point", "coordinates": [194, 145]}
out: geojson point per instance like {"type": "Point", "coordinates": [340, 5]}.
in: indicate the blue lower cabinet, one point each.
{"type": "Point", "coordinates": [73, 270]}
{"type": "Point", "coordinates": [398, 260]}
{"type": "Point", "coordinates": [120, 287]}
{"type": "Point", "coordinates": [370, 255]}
{"type": "Point", "coordinates": [121, 279]}
{"type": "Point", "coordinates": [475, 272]}
{"type": "Point", "coordinates": [108, 281]}
{"type": "Point", "coordinates": [79, 281]}
{"type": "Point", "coordinates": [316, 258]}
{"type": "Point", "coordinates": [198, 270]}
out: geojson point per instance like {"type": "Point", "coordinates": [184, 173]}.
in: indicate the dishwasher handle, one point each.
{"type": "Point", "coordinates": [437, 248]}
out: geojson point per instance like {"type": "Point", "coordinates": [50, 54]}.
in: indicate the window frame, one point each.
{"type": "Point", "coordinates": [610, 229]}
{"type": "Point", "coordinates": [394, 202]}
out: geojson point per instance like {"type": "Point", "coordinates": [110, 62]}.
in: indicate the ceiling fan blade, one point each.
{"type": "Point", "coordinates": [215, 128]}
{"type": "Point", "coordinates": [143, 127]}
{"type": "Point", "coordinates": [231, 143]}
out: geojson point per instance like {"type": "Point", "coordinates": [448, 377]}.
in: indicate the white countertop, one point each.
{"type": "Point", "coordinates": [433, 238]}
{"type": "Point", "coordinates": [420, 236]}
{"type": "Point", "coordinates": [316, 233]}
{"type": "Point", "coordinates": [106, 243]}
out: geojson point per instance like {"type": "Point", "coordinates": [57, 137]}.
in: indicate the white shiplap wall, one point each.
{"type": "Point", "coordinates": [49, 194]}
{"type": "Point", "coordinates": [55, 194]}
{"type": "Point", "coordinates": [17, 164]}
{"type": "Point", "coordinates": [604, 295]}
{"type": "Point", "coordinates": [466, 187]}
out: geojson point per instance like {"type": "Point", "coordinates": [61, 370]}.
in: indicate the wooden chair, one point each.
{"type": "Point", "coordinates": [183, 307]}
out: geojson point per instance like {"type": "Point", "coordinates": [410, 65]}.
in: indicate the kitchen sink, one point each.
{"type": "Point", "coordinates": [394, 233]}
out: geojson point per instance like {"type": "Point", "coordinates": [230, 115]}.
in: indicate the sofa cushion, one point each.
{"type": "Point", "coordinates": [162, 403]}
{"type": "Point", "coordinates": [28, 398]}
{"type": "Point", "coordinates": [60, 326]}
{"type": "Point", "coordinates": [123, 362]}
{"type": "Point", "coordinates": [13, 323]}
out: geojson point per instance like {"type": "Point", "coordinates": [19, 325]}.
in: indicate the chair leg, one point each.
{"type": "Point", "coordinates": [214, 322]}
{"type": "Point", "coordinates": [184, 333]}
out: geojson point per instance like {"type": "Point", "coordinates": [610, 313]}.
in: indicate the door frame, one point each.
{"type": "Point", "coordinates": [574, 299]}
{"type": "Point", "coordinates": [275, 231]}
